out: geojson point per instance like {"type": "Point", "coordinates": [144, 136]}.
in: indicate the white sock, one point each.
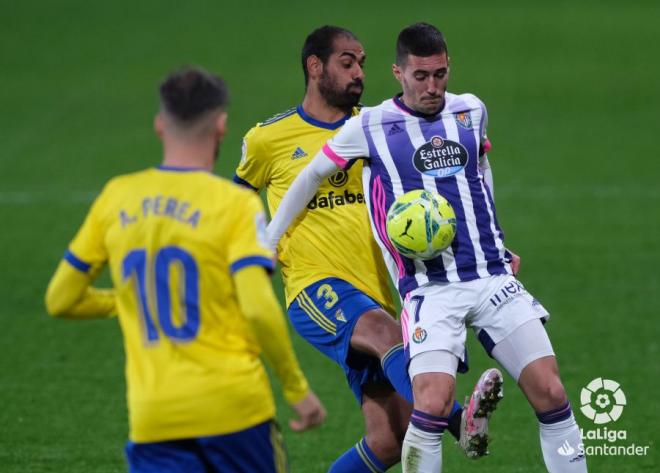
{"type": "Point", "coordinates": [563, 451]}
{"type": "Point", "coordinates": [422, 451]}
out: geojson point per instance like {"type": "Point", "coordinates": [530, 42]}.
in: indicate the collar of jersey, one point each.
{"type": "Point", "coordinates": [431, 117]}
{"type": "Point", "coordinates": [319, 123]}
{"type": "Point", "coordinates": [178, 169]}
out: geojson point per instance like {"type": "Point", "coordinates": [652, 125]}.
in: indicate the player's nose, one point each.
{"type": "Point", "coordinates": [358, 73]}
{"type": "Point", "coordinates": [432, 86]}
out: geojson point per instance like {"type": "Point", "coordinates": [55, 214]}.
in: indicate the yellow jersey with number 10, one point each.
{"type": "Point", "coordinates": [333, 237]}
{"type": "Point", "coordinates": [172, 239]}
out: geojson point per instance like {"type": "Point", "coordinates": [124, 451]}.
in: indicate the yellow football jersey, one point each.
{"type": "Point", "coordinates": [333, 237]}
{"type": "Point", "coordinates": [172, 239]}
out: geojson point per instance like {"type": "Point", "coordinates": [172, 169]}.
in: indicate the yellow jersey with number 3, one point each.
{"type": "Point", "coordinates": [172, 239]}
{"type": "Point", "coordinates": [333, 236]}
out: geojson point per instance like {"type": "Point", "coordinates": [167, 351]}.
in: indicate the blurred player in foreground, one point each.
{"type": "Point", "coordinates": [425, 138]}
{"type": "Point", "coordinates": [337, 293]}
{"type": "Point", "coordinates": [190, 270]}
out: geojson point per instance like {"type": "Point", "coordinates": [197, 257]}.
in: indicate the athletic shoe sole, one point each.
{"type": "Point", "coordinates": [474, 422]}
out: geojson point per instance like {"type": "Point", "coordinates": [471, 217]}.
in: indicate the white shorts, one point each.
{"type": "Point", "coordinates": [435, 316]}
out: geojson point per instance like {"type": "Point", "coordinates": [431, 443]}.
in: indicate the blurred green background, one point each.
{"type": "Point", "coordinates": [573, 96]}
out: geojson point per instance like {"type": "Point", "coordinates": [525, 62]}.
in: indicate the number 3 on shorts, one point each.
{"type": "Point", "coordinates": [326, 293]}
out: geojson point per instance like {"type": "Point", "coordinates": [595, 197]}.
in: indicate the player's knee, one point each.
{"type": "Point", "coordinates": [439, 407]}
{"type": "Point", "coordinates": [555, 392]}
{"type": "Point", "coordinates": [551, 393]}
{"type": "Point", "coordinates": [432, 397]}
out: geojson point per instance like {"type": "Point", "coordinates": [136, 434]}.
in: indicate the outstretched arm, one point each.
{"type": "Point", "coordinates": [70, 295]}
{"type": "Point", "coordinates": [298, 196]}
{"type": "Point", "coordinates": [259, 305]}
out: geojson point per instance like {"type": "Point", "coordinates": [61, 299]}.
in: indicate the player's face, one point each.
{"type": "Point", "coordinates": [341, 81]}
{"type": "Point", "coordinates": [424, 82]}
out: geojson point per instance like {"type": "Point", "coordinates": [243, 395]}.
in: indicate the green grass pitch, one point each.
{"type": "Point", "coordinates": [573, 98]}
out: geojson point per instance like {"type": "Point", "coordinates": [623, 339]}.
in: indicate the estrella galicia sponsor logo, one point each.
{"type": "Point", "coordinates": [338, 179]}
{"type": "Point", "coordinates": [419, 335]}
{"type": "Point", "coordinates": [440, 158]}
{"type": "Point", "coordinates": [332, 200]}
{"type": "Point", "coordinates": [464, 119]}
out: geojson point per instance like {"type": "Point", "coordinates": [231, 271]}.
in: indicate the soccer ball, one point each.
{"type": "Point", "coordinates": [420, 224]}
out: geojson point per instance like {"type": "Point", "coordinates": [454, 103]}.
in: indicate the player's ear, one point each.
{"type": "Point", "coordinates": [159, 125]}
{"type": "Point", "coordinates": [396, 70]}
{"type": "Point", "coordinates": [314, 66]}
{"type": "Point", "coordinates": [221, 124]}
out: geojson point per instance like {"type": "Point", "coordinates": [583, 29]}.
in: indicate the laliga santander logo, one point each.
{"type": "Point", "coordinates": [602, 401]}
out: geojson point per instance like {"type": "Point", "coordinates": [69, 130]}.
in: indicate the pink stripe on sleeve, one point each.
{"type": "Point", "coordinates": [380, 217]}
{"type": "Point", "coordinates": [334, 157]}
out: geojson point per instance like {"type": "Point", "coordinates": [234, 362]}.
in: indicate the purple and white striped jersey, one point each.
{"type": "Point", "coordinates": [406, 150]}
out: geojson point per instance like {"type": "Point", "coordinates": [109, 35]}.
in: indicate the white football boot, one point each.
{"type": "Point", "coordinates": [477, 411]}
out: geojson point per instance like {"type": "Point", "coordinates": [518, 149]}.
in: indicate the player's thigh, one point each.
{"type": "Point", "coordinates": [522, 347]}
{"type": "Point", "coordinates": [179, 456]}
{"type": "Point", "coordinates": [503, 305]}
{"type": "Point", "coordinates": [256, 449]}
{"type": "Point", "coordinates": [386, 416]}
{"type": "Point", "coordinates": [325, 314]}
{"type": "Point", "coordinates": [433, 319]}
{"type": "Point", "coordinates": [375, 333]}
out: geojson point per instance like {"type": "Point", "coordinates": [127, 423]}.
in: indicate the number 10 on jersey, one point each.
{"type": "Point", "coordinates": [151, 275]}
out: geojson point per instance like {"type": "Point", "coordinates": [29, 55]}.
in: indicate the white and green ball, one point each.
{"type": "Point", "coordinates": [420, 224]}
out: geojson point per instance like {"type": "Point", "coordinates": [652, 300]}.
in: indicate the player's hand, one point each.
{"type": "Point", "coordinates": [310, 413]}
{"type": "Point", "coordinates": [515, 263]}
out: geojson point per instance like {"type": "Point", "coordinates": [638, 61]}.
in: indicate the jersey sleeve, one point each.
{"type": "Point", "coordinates": [87, 252]}
{"type": "Point", "coordinates": [484, 142]}
{"type": "Point", "coordinates": [247, 245]}
{"type": "Point", "coordinates": [69, 293]}
{"type": "Point", "coordinates": [349, 144]}
{"type": "Point", "coordinates": [253, 170]}
{"type": "Point", "coordinates": [259, 305]}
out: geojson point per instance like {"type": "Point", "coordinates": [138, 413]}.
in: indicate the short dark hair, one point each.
{"type": "Point", "coordinates": [190, 92]}
{"type": "Point", "coordinates": [320, 43]}
{"type": "Point", "coordinates": [420, 39]}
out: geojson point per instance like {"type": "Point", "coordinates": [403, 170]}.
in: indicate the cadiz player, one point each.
{"type": "Point", "coordinates": [337, 293]}
{"type": "Point", "coordinates": [189, 268]}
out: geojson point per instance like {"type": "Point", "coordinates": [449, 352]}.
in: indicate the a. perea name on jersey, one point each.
{"type": "Point", "coordinates": [332, 200]}
{"type": "Point", "coordinates": [163, 206]}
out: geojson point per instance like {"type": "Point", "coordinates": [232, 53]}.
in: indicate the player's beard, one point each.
{"type": "Point", "coordinates": [336, 96]}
